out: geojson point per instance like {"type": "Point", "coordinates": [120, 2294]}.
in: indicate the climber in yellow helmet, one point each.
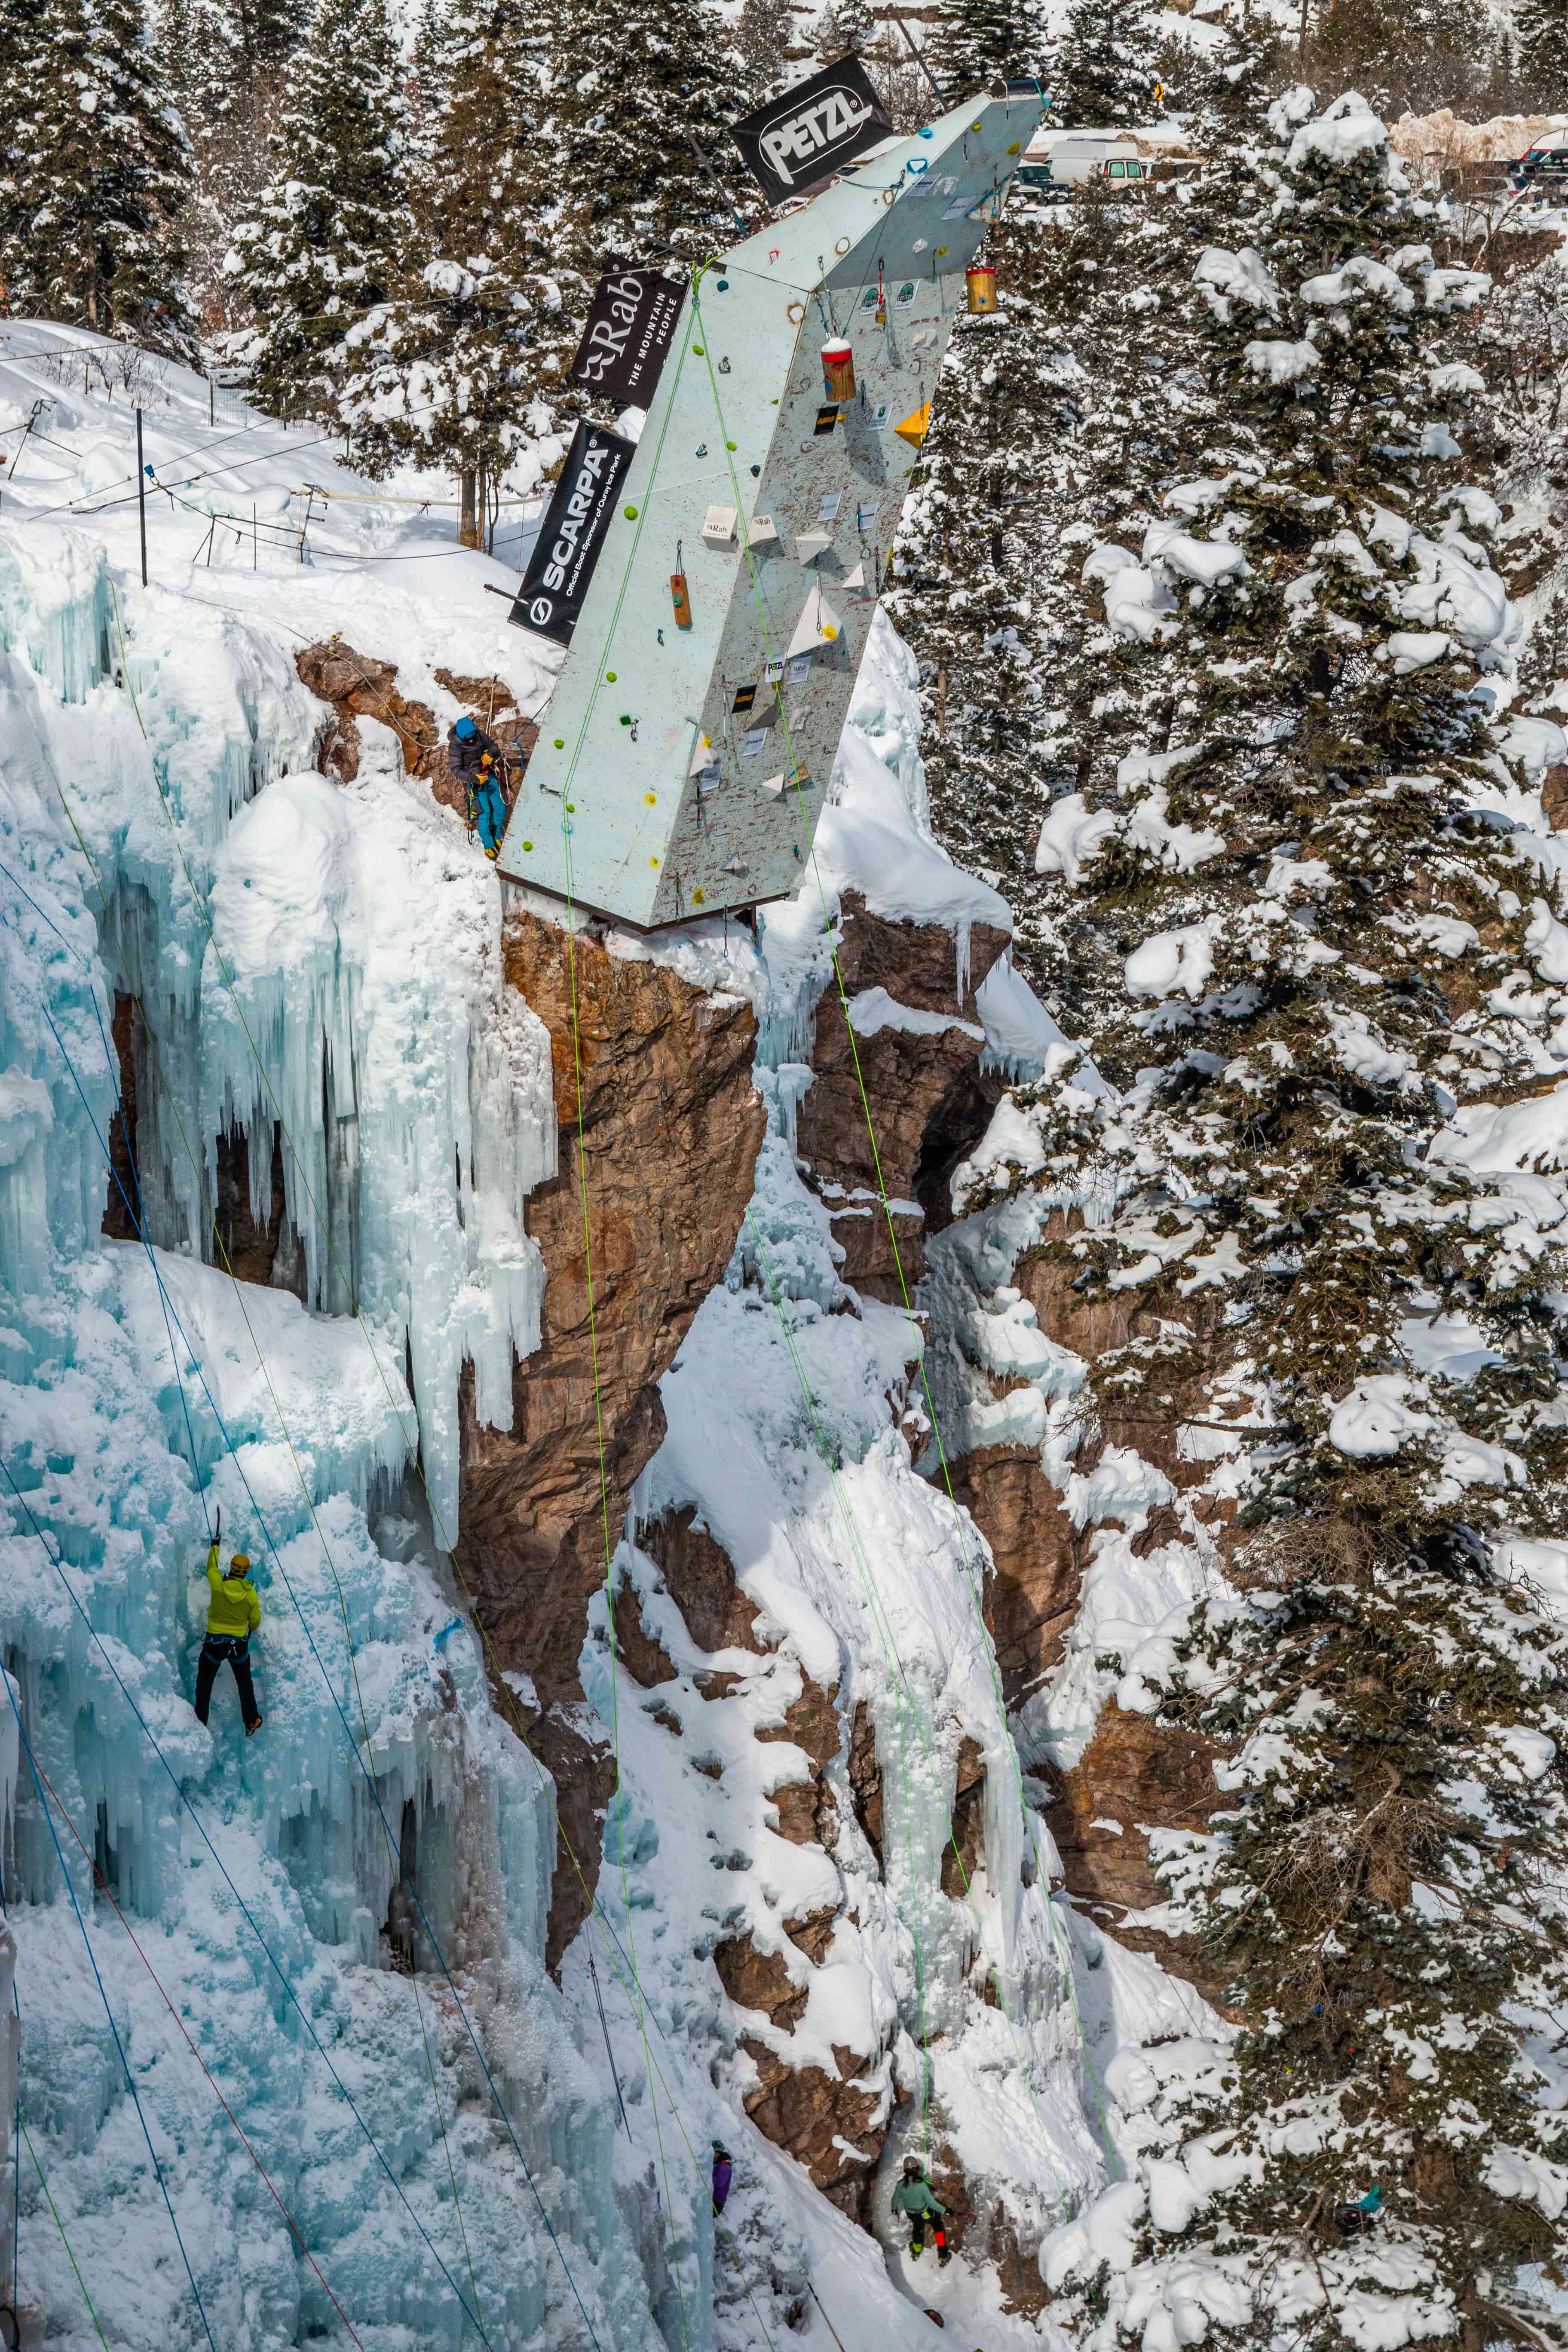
{"type": "Point", "coordinates": [233, 1612]}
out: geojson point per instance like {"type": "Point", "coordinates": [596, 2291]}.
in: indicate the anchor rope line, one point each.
{"type": "Point", "coordinates": [594, 1327]}
{"type": "Point", "coordinates": [64, 2242]}
{"type": "Point", "coordinates": [24, 2134]}
{"type": "Point", "coordinates": [57, 1563]}
{"type": "Point", "coordinates": [353, 1745]}
{"type": "Point", "coordinates": [883, 1626]}
{"type": "Point", "coordinates": [1064, 1959]}
{"type": "Point", "coordinates": [600, 1920]}
{"type": "Point", "coordinates": [135, 1214]}
{"type": "Point", "coordinates": [108, 2013]}
{"type": "Point", "coordinates": [295, 2231]}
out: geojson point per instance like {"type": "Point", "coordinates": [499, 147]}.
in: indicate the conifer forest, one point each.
{"type": "Point", "coordinates": [783, 1554]}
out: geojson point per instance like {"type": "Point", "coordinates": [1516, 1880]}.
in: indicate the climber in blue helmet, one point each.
{"type": "Point", "coordinates": [233, 1612]}
{"type": "Point", "coordinates": [478, 763]}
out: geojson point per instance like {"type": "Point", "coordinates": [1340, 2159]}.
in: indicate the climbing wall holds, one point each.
{"type": "Point", "coordinates": [681, 597]}
{"type": "Point", "coordinates": [837, 370]}
{"type": "Point", "coordinates": [980, 285]}
{"type": "Point", "coordinates": [913, 428]}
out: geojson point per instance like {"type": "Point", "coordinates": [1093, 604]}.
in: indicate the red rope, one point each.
{"type": "Point", "coordinates": [201, 2062]}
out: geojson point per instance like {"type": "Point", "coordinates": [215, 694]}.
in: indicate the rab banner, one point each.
{"type": "Point", "coordinates": [631, 326]}
{"type": "Point", "coordinates": [806, 133]}
{"type": "Point", "coordinates": [550, 597]}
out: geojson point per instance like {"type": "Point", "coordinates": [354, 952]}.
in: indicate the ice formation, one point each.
{"type": "Point", "coordinates": [435, 2142]}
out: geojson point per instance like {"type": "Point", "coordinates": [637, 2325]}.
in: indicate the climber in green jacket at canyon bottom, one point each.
{"type": "Point", "coordinates": [915, 2197]}
{"type": "Point", "coordinates": [233, 1612]}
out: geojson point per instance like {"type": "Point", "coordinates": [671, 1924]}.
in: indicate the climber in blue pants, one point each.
{"type": "Point", "coordinates": [478, 763]}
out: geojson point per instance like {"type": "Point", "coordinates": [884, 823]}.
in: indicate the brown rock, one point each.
{"type": "Point", "coordinates": [928, 1099]}
{"type": "Point", "coordinates": [699, 1577]}
{"type": "Point", "coordinates": [807, 2112]}
{"type": "Point", "coordinates": [358, 685]}
{"type": "Point", "coordinates": [813, 1935]}
{"type": "Point", "coordinates": [965, 1848]}
{"type": "Point", "coordinates": [804, 1807]}
{"type": "Point", "coordinates": [671, 1126]}
{"type": "Point", "coordinates": [760, 1980]}
{"type": "Point", "coordinates": [1555, 798]}
{"type": "Point", "coordinates": [645, 1659]}
{"type": "Point", "coordinates": [1143, 1776]}
{"type": "Point", "coordinates": [1032, 1597]}
{"type": "Point", "coordinates": [866, 1781]}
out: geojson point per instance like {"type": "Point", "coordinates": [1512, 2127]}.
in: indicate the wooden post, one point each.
{"type": "Point", "coordinates": [141, 497]}
{"type": "Point", "coordinates": [467, 529]}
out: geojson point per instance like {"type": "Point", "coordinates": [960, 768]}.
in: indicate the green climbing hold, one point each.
{"type": "Point", "coordinates": [609, 677]}
{"type": "Point", "coordinates": [731, 445]}
{"type": "Point", "coordinates": [630, 513]}
{"type": "Point", "coordinates": [626, 719]}
{"type": "Point", "coordinates": [560, 742]}
{"type": "Point", "coordinates": [527, 845]}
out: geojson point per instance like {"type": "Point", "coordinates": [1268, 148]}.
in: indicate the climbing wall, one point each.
{"type": "Point", "coordinates": [681, 770]}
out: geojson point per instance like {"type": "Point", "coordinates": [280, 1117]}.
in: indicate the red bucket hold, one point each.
{"type": "Point", "coordinates": [838, 370]}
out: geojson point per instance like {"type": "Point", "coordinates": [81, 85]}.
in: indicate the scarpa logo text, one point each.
{"type": "Point", "coordinates": [799, 139]}
{"type": "Point", "coordinates": [579, 509]}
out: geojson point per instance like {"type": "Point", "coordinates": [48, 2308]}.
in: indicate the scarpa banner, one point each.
{"type": "Point", "coordinates": [550, 597]}
{"type": "Point", "coordinates": [817, 126]}
{"type": "Point", "coordinates": [631, 326]}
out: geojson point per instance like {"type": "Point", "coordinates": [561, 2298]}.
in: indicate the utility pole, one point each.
{"type": "Point", "coordinates": [141, 497]}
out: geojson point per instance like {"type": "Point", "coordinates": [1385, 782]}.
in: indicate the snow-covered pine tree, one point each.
{"type": "Point", "coordinates": [328, 234]}
{"type": "Point", "coordinates": [98, 174]}
{"type": "Point", "coordinates": [1104, 72]}
{"type": "Point", "coordinates": [1327, 989]}
{"type": "Point", "coordinates": [450, 368]}
{"type": "Point", "coordinates": [847, 28]}
{"type": "Point", "coordinates": [1541, 59]}
{"type": "Point", "coordinates": [764, 36]}
{"type": "Point", "coordinates": [643, 96]}
{"type": "Point", "coordinates": [975, 42]}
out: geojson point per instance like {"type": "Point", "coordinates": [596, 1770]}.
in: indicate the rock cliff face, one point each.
{"type": "Point", "coordinates": [908, 1041]}
{"type": "Point", "coordinates": [671, 1126]}
{"type": "Point", "coordinates": [664, 1143]}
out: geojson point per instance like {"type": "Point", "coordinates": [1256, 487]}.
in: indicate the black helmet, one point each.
{"type": "Point", "coordinates": [720, 2149]}
{"type": "Point", "coordinates": [911, 2166]}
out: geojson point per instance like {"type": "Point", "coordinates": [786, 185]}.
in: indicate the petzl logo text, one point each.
{"type": "Point", "coordinates": [807, 133]}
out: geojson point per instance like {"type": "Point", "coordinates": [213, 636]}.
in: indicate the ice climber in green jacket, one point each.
{"type": "Point", "coordinates": [915, 2197]}
{"type": "Point", "coordinates": [233, 1612]}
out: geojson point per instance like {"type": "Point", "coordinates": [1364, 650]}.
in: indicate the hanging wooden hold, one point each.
{"type": "Point", "coordinates": [980, 283]}
{"type": "Point", "coordinates": [838, 370]}
{"type": "Point", "coordinates": [681, 597]}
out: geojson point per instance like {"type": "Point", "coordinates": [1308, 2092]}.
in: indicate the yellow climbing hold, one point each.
{"type": "Point", "coordinates": [697, 898]}
{"type": "Point", "coordinates": [653, 861]}
{"type": "Point", "coordinates": [913, 428]}
{"type": "Point", "coordinates": [651, 799]}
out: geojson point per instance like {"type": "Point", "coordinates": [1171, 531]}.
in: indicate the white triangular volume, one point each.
{"type": "Point", "coordinates": [702, 757]}
{"type": "Point", "coordinates": [817, 626]}
{"type": "Point", "coordinates": [773, 784]}
{"type": "Point", "coordinates": [856, 579]}
{"type": "Point", "coordinates": [810, 544]}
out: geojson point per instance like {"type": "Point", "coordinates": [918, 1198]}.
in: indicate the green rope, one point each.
{"type": "Point", "coordinates": [1063, 1958]}
{"type": "Point", "coordinates": [64, 2242]}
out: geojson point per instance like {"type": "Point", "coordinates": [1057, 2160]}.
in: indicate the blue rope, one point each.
{"type": "Point", "coordinates": [92, 998]}
{"type": "Point", "coordinates": [354, 1744]}
{"type": "Point", "coordinates": [244, 1909]}
{"type": "Point", "coordinates": [130, 2079]}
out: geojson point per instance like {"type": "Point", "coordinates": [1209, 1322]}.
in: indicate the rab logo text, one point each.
{"type": "Point", "coordinates": [607, 337]}
{"type": "Point", "coordinates": [829, 119]}
{"type": "Point", "coordinates": [579, 507]}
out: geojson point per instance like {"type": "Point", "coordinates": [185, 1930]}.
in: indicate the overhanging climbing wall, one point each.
{"type": "Point", "coordinates": [681, 770]}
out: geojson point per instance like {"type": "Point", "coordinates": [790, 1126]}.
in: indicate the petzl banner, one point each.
{"type": "Point", "coordinates": [799, 137]}
{"type": "Point", "coordinates": [568, 546]}
{"type": "Point", "coordinates": [631, 326]}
